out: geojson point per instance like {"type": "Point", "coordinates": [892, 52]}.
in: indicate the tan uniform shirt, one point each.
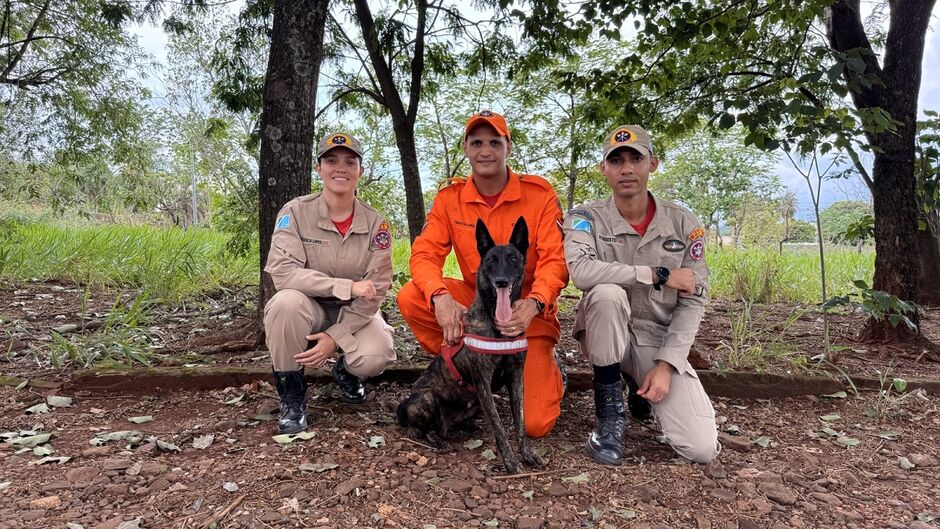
{"type": "Point", "coordinates": [308, 254]}
{"type": "Point", "coordinates": [602, 248]}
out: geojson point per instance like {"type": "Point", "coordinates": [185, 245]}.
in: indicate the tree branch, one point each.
{"type": "Point", "coordinates": [29, 36]}
{"type": "Point", "coordinates": [417, 63]}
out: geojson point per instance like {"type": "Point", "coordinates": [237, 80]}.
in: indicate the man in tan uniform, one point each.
{"type": "Point", "coordinates": [331, 263]}
{"type": "Point", "coordinates": [640, 262]}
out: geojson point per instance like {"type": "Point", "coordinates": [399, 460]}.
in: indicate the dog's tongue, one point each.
{"type": "Point", "coordinates": [503, 306]}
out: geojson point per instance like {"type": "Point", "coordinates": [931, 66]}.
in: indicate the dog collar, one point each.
{"type": "Point", "coordinates": [481, 345]}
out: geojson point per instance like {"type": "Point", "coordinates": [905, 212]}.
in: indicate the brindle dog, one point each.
{"type": "Point", "coordinates": [438, 404]}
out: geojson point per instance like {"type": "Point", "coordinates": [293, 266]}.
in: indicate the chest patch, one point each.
{"type": "Point", "coordinates": [315, 242]}
{"type": "Point", "coordinates": [610, 239]}
{"type": "Point", "coordinates": [673, 245]}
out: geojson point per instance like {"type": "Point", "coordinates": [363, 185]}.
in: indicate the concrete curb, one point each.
{"type": "Point", "coordinates": [720, 384]}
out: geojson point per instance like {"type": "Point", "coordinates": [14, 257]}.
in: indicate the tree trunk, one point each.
{"type": "Point", "coordinates": [288, 102]}
{"type": "Point", "coordinates": [411, 176]}
{"type": "Point", "coordinates": [928, 253]}
{"type": "Point", "coordinates": [893, 188]}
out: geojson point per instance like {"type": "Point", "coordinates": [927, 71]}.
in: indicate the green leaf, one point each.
{"type": "Point", "coordinates": [833, 417]}
{"type": "Point", "coordinates": [726, 121]}
{"type": "Point", "coordinates": [473, 444]}
{"type": "Point", "coordinates": [22, 384]}
{"type": "Point", "coordinates": [829, 432]}
{"type": "Point", "coordinates": [168, 447]}
{"type": "Point", "coordinates": [376, 441]}
{"type": "Point", "coordinates": [31, 440]}
{"type": "Point", "coordinates": [43, 451]}
{"type": "Point", "coordinates": [837, 395]}
{"type": "Point", "coordinates": [762, 441]}
{"type": "Point", "coordinates": [488, 455]}
{"type": "Point", "coordinates": [580, 478]}
{"type": "Point", "coordinates": [141, 419]}
{"type": "Point", "coordinates": [848, 441]}
{"type": "Point", "coordinates": [900, 385]}
{"type": "Point", "coordinates": [131, 436]}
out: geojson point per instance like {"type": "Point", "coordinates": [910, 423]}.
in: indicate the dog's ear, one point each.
{"type": "Point", "coordinates": [520, 236]}
{"type": "Point", "coordinates": [484, 240]}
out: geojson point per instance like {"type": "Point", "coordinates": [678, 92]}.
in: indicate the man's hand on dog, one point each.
{"type": "Point", "coordinates": [655, 386]}
{"type": "Point", "coordinates": [449, 316]}
{"type": "Point", "coordinates": [682, 280]}
{"type": "Point", "coordinates": [316, 356]}
{"type": "Point", "coordinates": [363, 289]}
{"type": "Point", "coordinates": [523, 310]}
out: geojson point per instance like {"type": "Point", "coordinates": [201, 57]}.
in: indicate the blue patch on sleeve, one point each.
{"type": "Point", "coordinates": [282, 222]}
{"type": "Point", "coordinates": [581, 225]}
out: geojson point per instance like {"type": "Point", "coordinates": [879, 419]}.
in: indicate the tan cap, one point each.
{"type": "Point", "coordinates": [632, 136]}
{"type": "Point", "coordinates": [494, 120]}
{"type": "Point", "coordinates": [339, 139]}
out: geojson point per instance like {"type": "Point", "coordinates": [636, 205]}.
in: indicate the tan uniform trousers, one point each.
{"type": "Point", "coordinates": [685, 416]}
{"type": "Point", "coordinates": [291, 315]}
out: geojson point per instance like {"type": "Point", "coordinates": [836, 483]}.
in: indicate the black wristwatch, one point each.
{"type": "Point", "coordinates": [662, 275]}
{"type": "Point", "coordinates": [538, 305]}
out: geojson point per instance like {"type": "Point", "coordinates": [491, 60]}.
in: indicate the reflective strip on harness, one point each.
{"type": "Point", "coordinates": [482, 345]}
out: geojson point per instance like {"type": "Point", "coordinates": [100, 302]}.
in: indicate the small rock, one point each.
{"type": "Point", "coordinates": [348, 486]}
{"type": "Point", "coordinates": [456, 485]}
{"type": "Point", "coordinates": [116, 464]}
{"type": "Point", "coordinates": [645, 493]}
{"type": "Point", "coordinates": [96, 451]}
{"type": "Point", "coordinates": [49, 502]}
{"type": "Point", "coordinates": [917, 524]}
{"type": "Point", "coordinates": [271, 516]}
{"type": "Point", "coordinates": [748, 489]}
{"type": "Point", "coordinates": [777, 492]}
{"type": "Point", "coordinates": [741, 444]}
{"type": "Point", "coordinates": [831, 499]}
{"type": "Point", "coordinates": [714, 470]}
{"type": "Point", "coordinates": [922, 460]}
{"type": "Point", "coordinates": [723, 495]}
{"type": "Point", "coordinates": [32, 516]}
{"type": "Point", "coordinates": [286, 490]}
{"type": "Point", "coordinates": [747, 523]}
{"type": "Point", "coordinates": [81, 474]}
{"type": "Point", "coordinates": [557, 490]}
{"type": "Point", "coordinates": [525, 522]}
{"type": "Point", "coordinates": [56, 485]}
{"type": "Point", "coordinates": [152, 468]}
{"type": "Point", "coordinates": [159, 485]}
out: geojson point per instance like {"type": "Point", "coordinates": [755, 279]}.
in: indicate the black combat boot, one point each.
{"type": "Point", "coordinates": [605, 444]}
{"type": "Point", "coordinates": [292, 388]}
{"type": "Point", "coordinates": [351, 390]}
{"type": "Point", "coordinates": [640, 408]}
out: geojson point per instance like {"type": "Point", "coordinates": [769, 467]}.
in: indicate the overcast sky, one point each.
{"type": "Point", "coordinates": [154, 41]}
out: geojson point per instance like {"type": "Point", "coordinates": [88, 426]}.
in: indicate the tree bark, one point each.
{"type": "Point", "coordinates": [928, 253]}
{"type": "Point", "coordinates": [893, 181]}
{"type": "Point", "coordinates": [287, 116]}
{"type": "Point", "coordinates": [403, 120]}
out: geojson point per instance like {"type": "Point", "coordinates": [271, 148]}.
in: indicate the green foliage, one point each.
{"type": "Point", "coordinates": [880, 305]}
{"type": "Point", "coordinates": [839, 219]}
{"type": "Point", "coordinates": [171, 264]}
{"type": "Point", "coordinates": [760, 345]}
{"type": "Point", "coordinates": [766, 276]}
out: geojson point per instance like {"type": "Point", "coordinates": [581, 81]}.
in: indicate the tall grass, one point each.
{"type": "Point", "coordinates": [765, 276]}
{"type": "Point", "coordinates": [170, 263]}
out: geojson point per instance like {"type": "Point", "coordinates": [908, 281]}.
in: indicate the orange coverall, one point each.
{"type": "Point", "coordinates": [452, 224]}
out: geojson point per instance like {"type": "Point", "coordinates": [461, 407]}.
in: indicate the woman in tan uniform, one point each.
{"type": "Point", "coordinates": [331, 263]}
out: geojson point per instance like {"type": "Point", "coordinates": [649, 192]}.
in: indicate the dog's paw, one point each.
{"type": "Point", "coordinates": [532, 460]}
{"type": "Point", "coordinates": [512, 466]}
{"type": "Point", "coordinates": [439, 443]}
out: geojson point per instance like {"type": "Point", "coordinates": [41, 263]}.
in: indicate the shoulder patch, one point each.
{"type": "Point", "coordinates": [697, 250]}
{"type": "Point", "coordinates": [697, 233]}
{"type": "Point", "coordinates": [283, 222]}
{"type": "Point", "coordinates": [581, 225]}
{"type": "Point", "coordinates": [581, 212]}
{"type": "Point", "coordinates": [382, 240]}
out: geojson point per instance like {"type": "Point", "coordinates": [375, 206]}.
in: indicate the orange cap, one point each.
{"type": "Point", "coordinates": [489, 117]}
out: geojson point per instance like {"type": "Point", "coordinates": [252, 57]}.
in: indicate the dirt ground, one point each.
{"type": "Point", "coordinates": [867, 461]}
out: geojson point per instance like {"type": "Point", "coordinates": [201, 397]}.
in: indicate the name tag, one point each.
{"type": "Point", "coordinates": [315, 242]}
{"type": "Point", "coordinates": [610, 239]}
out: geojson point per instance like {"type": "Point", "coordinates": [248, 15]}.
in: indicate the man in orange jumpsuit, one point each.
{"type": "Point", "coordinates": [434, 305]}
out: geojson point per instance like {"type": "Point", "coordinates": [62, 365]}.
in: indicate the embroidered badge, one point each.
{"type": "Point", "coordinates": [339, 139]}
{"type": "Point", "coordinates": [697, 250]}
{"type": "Point", "coordinates": [581, 225]}
{"type": "Point", "coordinates": [673, 245]}
{"type": "Point", "coordinates": [610, 239]}
{"type": "Point", "coordinates": [486, 113]}
{"type": "Point", "coordinates": [382, 240]}
{"type": "Point", "coordinates": [697, 233]}
{"type": "Point", "coordinates": [282, 222]}
{"type": "Point", "coordinates": [582, 212]}
{"type": "Point", "coordinates": [623, 136]}
{"type": "Point", "coordinates": [383, 226]}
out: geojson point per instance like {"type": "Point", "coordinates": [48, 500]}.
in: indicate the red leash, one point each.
{"type": "Point", "coordinates": [482, 345]}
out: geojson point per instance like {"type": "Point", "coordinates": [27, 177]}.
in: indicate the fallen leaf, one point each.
{"type": "Point", "coordinates": [4, 485]}
{"type": "Point", "coordinates": [39, 408]}
{"type": "Point", "coordinates": [230, 486]}
{"type": "Point", "coordinates": [376, 441]}
{"type": "Point", "coordinates": [580, 478]}
{"type": "Point", "coordinates": [31, 440]}
{"type": "Point", "coordinates": [73, 525]}
{"type": "Point", "coordinates": [926, 517]}
{"type": "Point", "coordinates": [22, 384]}
{"type": "Point", "coordinates": [131, 436]}
{"type": "Point", "coordinates": [491, 523]}
{"type": "Point", "coordinates": [831, 418]}
{"type": "Point", "coordinates": [889, 436]}
{"type": "Point", "coordinates": [829, 432]}
{"type": "Point", "coordinates": [264, 417]}
{"type": "Point", "coordinates": [287, 438]}
{"type": "Point", "coordinates": [848, 441]}
{"type": "Point", "coordinates": [131, 524]}
{"type": "Point", "coordinates": [96, 411]}
{"type": "Point", "coordinates": [203, 441]}
{"type": "Point", "coordinates": [529, 494]}
{"type": "Point", "coordinates": [141, 419]}
{"type": "Point", "coordinates": [168, 447]}
{"type": "Point", "coordinates": [43, 451]}
{"type": "Point", "coordinates": [291, 504]}
{"type": "Point", "coordinates": [488, 455]}
{"type": "Point", "coordinates": [50, 459]}
{"type": "Point", "coordinates": [762, 441]}
{"type": "Point", "coordinates": [837, 395]}
{"type": "Point", "coordinates": [235, 400]}
{"type": "Point", "coordinates": [475, 443]}
{"type": "Point", "coordinates": [134, 469]}
{"type": "Point", "coordinates": [57, 401]}
{"type": "Point", "coordinates": [317, 467]}
{"type": "Point", "coordinates": [428, 526]}
{"type": "Point", "coordinates": [905, 463]}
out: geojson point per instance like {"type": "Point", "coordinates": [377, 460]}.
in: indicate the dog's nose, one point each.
{"type": "Point", "coordinates": [501, 283]}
